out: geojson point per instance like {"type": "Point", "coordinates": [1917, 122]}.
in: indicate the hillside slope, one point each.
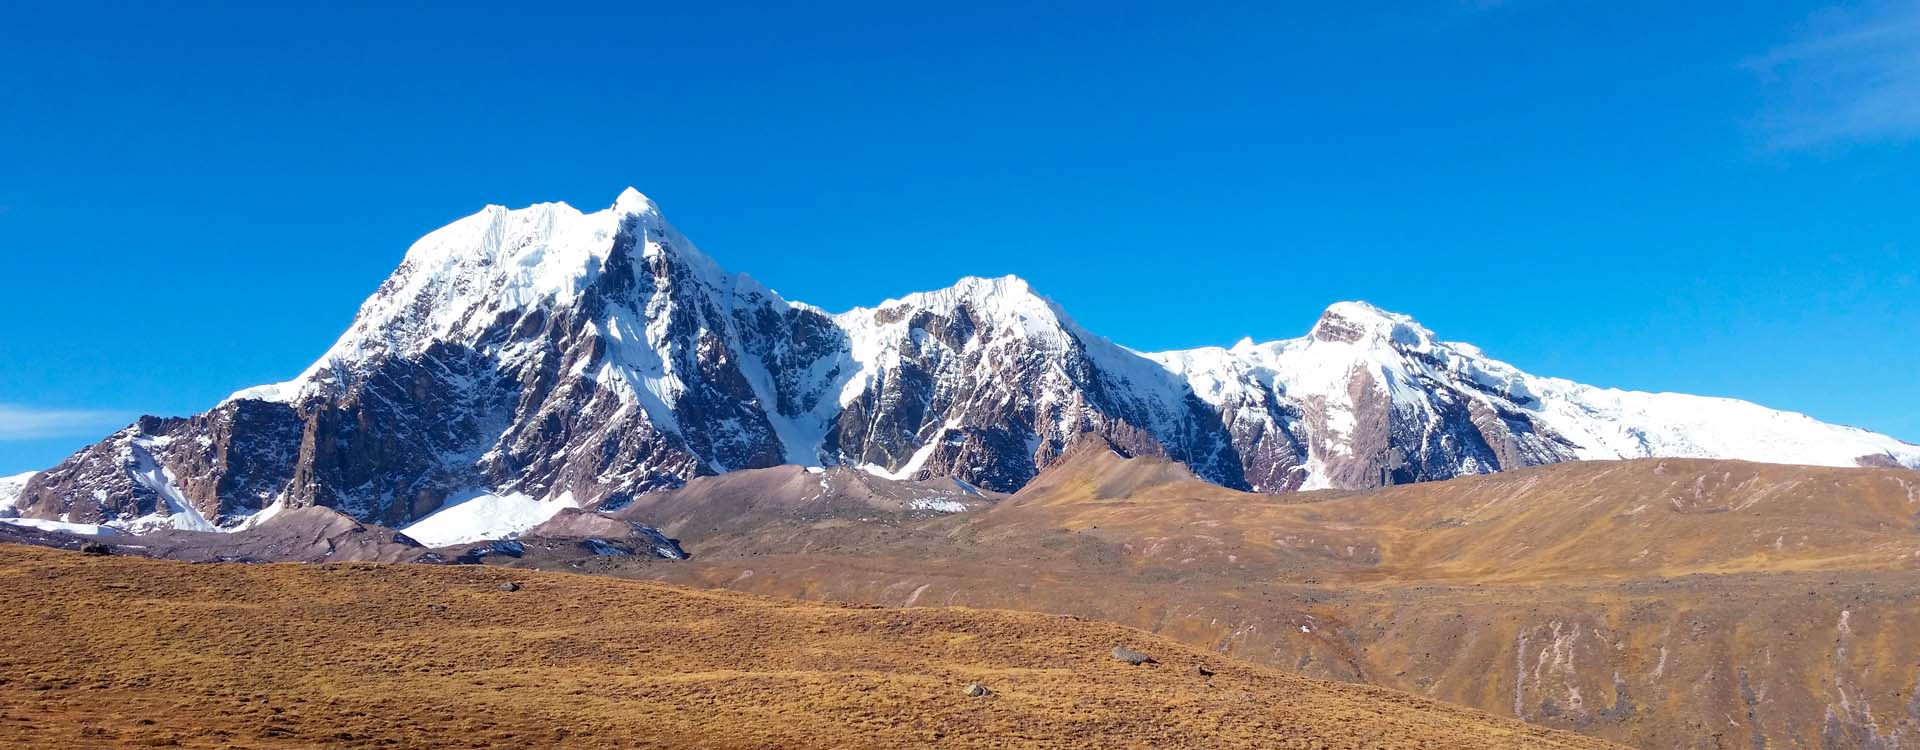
{"type": "Point", "coordinates": [1661, 603]}
{"type": "Point", "coordinates": [121, 652]}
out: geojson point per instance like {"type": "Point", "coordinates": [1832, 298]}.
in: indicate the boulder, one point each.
{"type": "Point", "coordinates": [1131, 656]}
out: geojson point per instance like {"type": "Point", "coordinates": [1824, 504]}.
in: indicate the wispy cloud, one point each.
{"type": "Point", "coordinates": [32, 423]}
{"type": "Point", "coordinates": [1852, 77]}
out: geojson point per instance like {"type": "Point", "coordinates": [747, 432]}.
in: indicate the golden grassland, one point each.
{"type": "Point", "coordinates": [125, 652]}
{"type": "Point", "coordinates": [1658, 603]}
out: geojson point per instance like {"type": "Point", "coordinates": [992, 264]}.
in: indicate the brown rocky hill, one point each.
{"type": "Point", "coordinates": [129, 652]}
{"type": "Point", "coordinates": [1660, 603]}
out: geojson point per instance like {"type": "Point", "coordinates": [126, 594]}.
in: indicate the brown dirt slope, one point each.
{"type": "Point", "coordinates": [126, 652]}
{"type": "Point", "coordinates": [747, 499]}
{"type": "Point", "coordinates": [311, 534]}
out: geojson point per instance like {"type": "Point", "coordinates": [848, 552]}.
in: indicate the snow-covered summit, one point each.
{"type": "Point", "coordinates": [457, 281]}
{"type": "Point", "coordinates": [1007, 302]}
{"type": "Point", "coordinates": [1357, 322]}
{"type": "Point", "coordinates": [1377, 388]}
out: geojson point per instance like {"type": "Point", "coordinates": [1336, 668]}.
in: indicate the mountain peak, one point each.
{"type": "Point", "coordinates": [989, 295]}
{"type": "Point", "coordinates": [632, 201]}
{"type": "Point", "coordinates": [997, 286]}
{"type": "Point", "coordinates": [1003, 303]}
{"type": "Point", "coordinates": [1355, 322]}
{"type": "Point", "coordinates": [1093, 467]}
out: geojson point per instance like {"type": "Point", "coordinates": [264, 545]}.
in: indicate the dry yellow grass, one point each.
{"type": "Point", "coordinates": [123, 652]}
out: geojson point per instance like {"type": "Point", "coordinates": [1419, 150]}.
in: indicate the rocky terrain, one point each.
{"type": "Point", "coordinates": [519, 362]}
{"type": "Point", "coordinates": [127, 652]}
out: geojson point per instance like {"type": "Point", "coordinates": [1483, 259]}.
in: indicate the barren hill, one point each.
{"type": "Point", "coordinates": [126, 652]}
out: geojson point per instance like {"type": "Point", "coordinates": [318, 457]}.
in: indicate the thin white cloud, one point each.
{"type": "Point", "coordinates": [32, 423]}
{"type": "Point", "coordinates": [1853, 77]}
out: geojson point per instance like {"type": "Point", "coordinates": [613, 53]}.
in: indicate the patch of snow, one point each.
{"type": "Point", "coordinates": [937, 506]}
{"type": "Point", "coordinates": [484, 515]}
{"type": "Point", "coordinates": [662, 545]}
{"type": "Point", "coordinates": [62, 526]}
{"type": "Point", "coordinates": [913, 464]}
{"type": "Point", "coordinates": [278, 506]}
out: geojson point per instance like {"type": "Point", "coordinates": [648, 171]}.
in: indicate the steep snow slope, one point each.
{"type": "Point", "coordinates": [521, 361]}
{"type": "Point", "coordinates": [10, 488]}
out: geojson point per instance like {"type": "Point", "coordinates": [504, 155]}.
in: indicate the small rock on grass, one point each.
{"type": "Point", "coordinates": [977, 690]}
{"type": "Point", "coordinates": [508, 586]}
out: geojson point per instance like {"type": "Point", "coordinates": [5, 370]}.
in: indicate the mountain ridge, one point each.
{"type": "Point", "coordinates": [543, 358]}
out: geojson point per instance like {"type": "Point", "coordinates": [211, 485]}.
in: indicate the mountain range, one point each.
{"type": "Point", "coordinates": [520, 362]}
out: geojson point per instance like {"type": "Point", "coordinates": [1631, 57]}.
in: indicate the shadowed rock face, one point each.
{"type": "Point", "coordinates": [233, 460]}
{"type": "Point", "coordinates": [589, 358]}
{"type": "Point", "coordinates": [988, 383]}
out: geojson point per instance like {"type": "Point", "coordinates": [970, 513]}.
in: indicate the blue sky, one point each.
{"type": "Point", "coordinates": [1720, 198]}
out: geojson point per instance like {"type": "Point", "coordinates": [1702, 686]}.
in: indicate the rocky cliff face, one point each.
{"type": "Point", "coordinates": [1369, 398]}
{"type": "Point", "coordinates": [545, 358]}
{"type": "Point", "coordinates": [988, 382]}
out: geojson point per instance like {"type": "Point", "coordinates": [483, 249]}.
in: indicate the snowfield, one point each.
{"type": "Point", "coordinates": [484, 516]}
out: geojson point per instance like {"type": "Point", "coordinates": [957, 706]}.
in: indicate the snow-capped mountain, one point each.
{"type": "Point", "coordinates": [1370, 397]}
{"type": "Point", "coordinates": [519, 362]}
